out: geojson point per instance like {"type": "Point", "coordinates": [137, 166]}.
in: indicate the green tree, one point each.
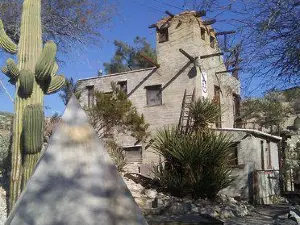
{"type": "Point", "coordinates": [196, 162]}
{"type": "Point", "coordinates": [68, 90]}
{"type": "Point", "coordinates": [114, 114]}
{"type": "Point", "coordinates": [128, 57]}
{"type": "Point", "coordinates": [268, 111]}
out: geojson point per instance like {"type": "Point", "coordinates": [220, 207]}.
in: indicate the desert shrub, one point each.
{"type": "Point", "coordinates": [116, 153]}
{"type": "Point", "coordinates": [5, 140]}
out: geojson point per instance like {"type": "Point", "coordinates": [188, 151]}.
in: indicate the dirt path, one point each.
{"type": "Point", "coordinates": [264, 215]}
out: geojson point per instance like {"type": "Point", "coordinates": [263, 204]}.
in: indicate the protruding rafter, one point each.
{"type": "Point", "coordinates": [209, 22]}
{"type": "Point", "coordinates": [229, 71]}
{"type": "Point", "coordinates": [148, 59]}
{"type": "Point", "coordinates": [211, 55]}
{"type": "Point", "coordinates": [191, 58]}
{"type": "Point", "coordinates": [225, 32]}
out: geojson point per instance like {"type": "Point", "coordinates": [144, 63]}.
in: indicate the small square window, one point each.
{"type": "Point", "coordinates": [212, 42]}
{"type": "Point", "coordinates": [163, 35]}
{"type": "Point", "coordinates": [123, 86]}
{"type": "Point", "coordinates": [133, 154]}
{"type": "Point", "coordinates": [154, 95]}
{"type": "Point", "coordinates": [202, 30]}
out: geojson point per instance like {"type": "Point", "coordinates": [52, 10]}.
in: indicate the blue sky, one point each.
{"type": "Point", "coordinates": [133, 19]}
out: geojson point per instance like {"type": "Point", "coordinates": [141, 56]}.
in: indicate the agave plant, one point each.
{"type": "Point", "coordinates": [196, 164]}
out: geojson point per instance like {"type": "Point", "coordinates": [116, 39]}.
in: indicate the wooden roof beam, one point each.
{"type": "Point", "coordinates": [209, 22]}
{"type": "Point", "coordinates": [229, 71]}
{"type": "Point", "coordinates": [225, 32]}
{"type": "Point", "coordinates": [191, 58]}
{"type": "Point", "coordinates": [170, 14]}
{"type": "Point", "coordinates": [148, 59]}
{"type": "Point", "coordinates": [200, 13]}
{"type": "Point", "coordinates": [211, 55]}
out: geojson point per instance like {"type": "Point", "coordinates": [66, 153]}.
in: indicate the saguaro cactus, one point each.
{"type": "Point", "coordinates": [34, 75]}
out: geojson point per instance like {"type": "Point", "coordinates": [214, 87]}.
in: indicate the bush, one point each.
{"type": "Point", "coordinates": [196, 164]}
{"type": "Point", "coordinates": [5, 140]}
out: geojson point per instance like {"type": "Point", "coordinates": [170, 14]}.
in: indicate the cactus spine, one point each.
{"type": "Point", "coordinates": [35, 61]}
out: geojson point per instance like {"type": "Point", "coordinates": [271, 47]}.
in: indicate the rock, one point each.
{"type": "Point", "coordinates": [194, 209]}
{"type": "Point", "coordinates": [226, 213]}
{"type": "Point", "coordinates": [150, 193]}
{"type": "Point", "coordinates": [178, 208]}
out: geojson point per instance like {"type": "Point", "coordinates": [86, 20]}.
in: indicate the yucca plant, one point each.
{"type": "Point", "coordinates": [203, 112]}
{"type": "Point", "coordinates": [195, 163]}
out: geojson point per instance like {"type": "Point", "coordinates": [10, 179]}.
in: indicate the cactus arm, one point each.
{"type": "Point", "coordinates": [12, 68]}
{"type": "Point", "coordinates": [57, 82]}
{"type": "Point", "coordinates": [46, 63]}
{"type": "Point", "coordinates": [5, 70]}
{"type": "Point", "coordinates": [5, 42]}
{"type": "Point", "coordinates": [26, 84]}
{"type": "Point", "coordinates": [55, 69]}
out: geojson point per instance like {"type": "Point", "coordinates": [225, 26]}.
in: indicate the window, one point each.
{"type": "Point", "coordinates": [123, 86]}
{"type": "Point", "coordinates": [217, 100]}
{"type": "Point", "coordinates": [268, 150]}
{"type": "Point", "coordinates": [91, 95]}
{"type": "Point", "coordinates": [233, 160]}
{"type": "Point", "coordinates": [154, 95]}
{"type": "Point", "coordinates": [202, 30]}
{"type": "Point", "coordinates": [133, 154]}
{"type": "Point", "coordinates": [163, 35]}
{"type": "Point", "coordinates": [262, 155]}
{"type": "Point", "coordinates": [212, 42]}
{"type": "Point", "coordinates": [237, 110]}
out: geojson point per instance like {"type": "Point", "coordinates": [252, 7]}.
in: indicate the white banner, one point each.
{"type": "Point", "coordinates": [204, 87]}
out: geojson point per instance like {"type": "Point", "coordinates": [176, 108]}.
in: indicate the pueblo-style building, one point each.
{"type": "Point", "coordinates": [189, 66]}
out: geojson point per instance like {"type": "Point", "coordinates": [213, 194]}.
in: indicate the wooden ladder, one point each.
{"type": "Point", "coordinates": [185, 115]}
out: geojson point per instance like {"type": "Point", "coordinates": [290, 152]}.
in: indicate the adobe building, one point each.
{"type": "Point", "coordinates": [190, 66]}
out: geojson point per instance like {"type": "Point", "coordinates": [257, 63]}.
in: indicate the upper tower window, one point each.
{"type": "Point", "coordinates": [202, 30]}
{"type": "Point", "coordinates": [212, 42]}
{"type": "Point", "coordinates": [163, 35]}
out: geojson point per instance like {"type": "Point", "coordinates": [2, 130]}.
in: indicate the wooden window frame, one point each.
{"type": "Point", "coordinates": [91, 95]}
{"type": "Point", "coordinates": [132, 149]}
{"type": "Point", "coordinates": [262, 155]}
{"type": "Point", "coordinates": [123, 85]}
{"type": "Point", "coordinates": [163, 35]}
{"type": "Point", "coordinates": [237, 110]}
{"type": "Point", "coordinates": [203, 33]}
{"type": "Point", "coordinates": [268, 150]}
{"type": "Point", "coordinates": [152, 88]}
{"type": "Point", "coordinates": [217, 100]}
{"type": "Point", "coordinates": [212, 41]}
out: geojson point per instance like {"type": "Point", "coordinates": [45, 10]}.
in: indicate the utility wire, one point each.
{"type": "Point", "coordinates": [6, 92]}
{"type": "Point", "coordinates": [168, 4]}
{"type": "Point", "coordinates": [147, 6]}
